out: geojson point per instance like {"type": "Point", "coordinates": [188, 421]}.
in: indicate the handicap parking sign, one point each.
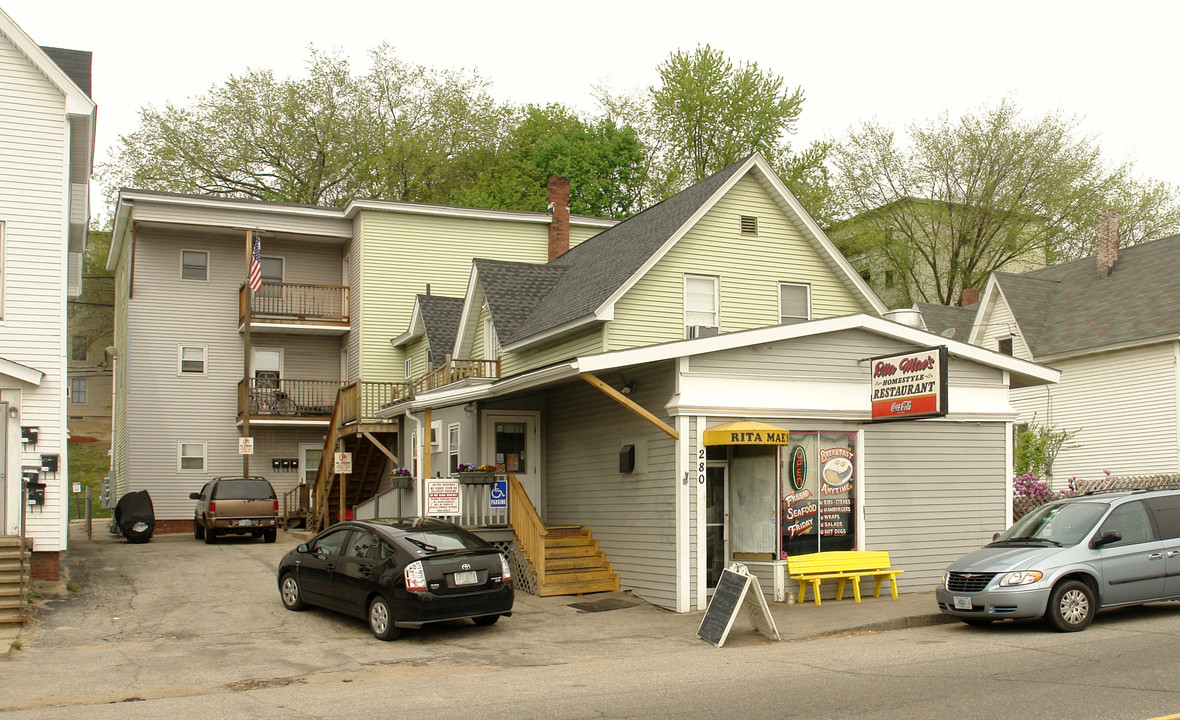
{"type": "Point", "coordinates": [499, 494]}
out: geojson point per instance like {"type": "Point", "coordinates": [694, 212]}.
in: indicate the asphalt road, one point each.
{"type": "Point", "coordinates": [180, 629]}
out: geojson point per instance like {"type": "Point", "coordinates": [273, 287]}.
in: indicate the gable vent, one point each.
{"type": "Point", "coordinates": [749, 225]}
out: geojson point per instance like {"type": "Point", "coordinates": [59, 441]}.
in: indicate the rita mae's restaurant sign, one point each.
{"type": "Point", "coordinates": [910, 385]}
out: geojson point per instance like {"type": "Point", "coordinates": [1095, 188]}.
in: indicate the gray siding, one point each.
{"type": "Point", "coordinates": [164, 407]}
{"type": "Point", "coordinates": [632, 516]}
{"type": "Point", "coordinates": [833, 356]}
{"type": "Point", "coordinates": [933, 491]}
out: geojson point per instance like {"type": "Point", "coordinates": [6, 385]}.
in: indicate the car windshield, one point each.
{"type": "Point", "coordinates": [1059, 524]}
{"type": "Point", "coordinates": [444, 541]}
{"type": "Point", "coordinates": [244, 490]}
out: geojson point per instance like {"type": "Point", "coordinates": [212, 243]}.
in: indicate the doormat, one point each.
{"type": "Point", "coordinates": [603, 605]}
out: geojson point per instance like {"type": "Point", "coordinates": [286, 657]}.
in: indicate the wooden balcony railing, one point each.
{"type": "Point", "coordinates": [297, 302]}
{"type": "Point", "coordinates": [287, 398]}
{"type": "Point", "coordinates": [360, 401]}
{"type": "Point", "coordinates": [454, 370]}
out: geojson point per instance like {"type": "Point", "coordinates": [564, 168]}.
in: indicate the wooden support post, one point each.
{"type": "Point", "coordinates": [426, 445]}
{"type": "Point", "coordinates": [630, 404]}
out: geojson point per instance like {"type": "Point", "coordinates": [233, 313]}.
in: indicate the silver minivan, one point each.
{"type": "Point", "coordinates": [1070, 558]}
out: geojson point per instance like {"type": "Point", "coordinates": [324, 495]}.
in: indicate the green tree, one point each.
{"type": "Point", "coordinates": [1037, 446]}
{"type": "Point", "coordinates": [604, 162]}
{"type": "Point", "coordinates": [92, 314]}
{"type": "Point", "coordinates": [955, 199]}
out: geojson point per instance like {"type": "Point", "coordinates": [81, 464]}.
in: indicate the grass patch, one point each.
{"type": "Point", "coordinates": [16, 645]}
{"type": "Point", "coordinates": [89, 465]}
{"type": "Point", "coordinates": [72, 586]}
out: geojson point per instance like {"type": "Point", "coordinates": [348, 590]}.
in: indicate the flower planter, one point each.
{"type": "Point", "coordinates": [401, 482]}
{"type": "Point", "coordinates": [477, 478]}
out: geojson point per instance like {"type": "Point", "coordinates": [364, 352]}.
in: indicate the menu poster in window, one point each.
{"type": "Point", "coordinates": [836, 496]}
{"type": "Point", "coordinates": [800, 497]}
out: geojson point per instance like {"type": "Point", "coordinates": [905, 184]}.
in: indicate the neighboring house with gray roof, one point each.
{"type": "Point", "coordinates": [1111, 325]}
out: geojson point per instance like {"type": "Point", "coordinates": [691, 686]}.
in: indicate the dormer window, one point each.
{"type": "Point", "coordinates": [1004, 346]}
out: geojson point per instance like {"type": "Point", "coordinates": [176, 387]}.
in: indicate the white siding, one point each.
{"type": "Point", "coordinates": [997, 323]}
{"type": "Point", "coordinates": [933, 491]}
{"type": "Point", "coordinates": [34, 143]}
{"type": "Point", "coordinates": [1123, 405]}
{"type": "Point", "coordinates": [632, 516]}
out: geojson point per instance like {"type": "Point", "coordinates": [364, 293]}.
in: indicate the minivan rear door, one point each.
{"type": "Point", "coordinates": [1166, 509]}
{"type": "Point", "coordinates": [1133, 568]}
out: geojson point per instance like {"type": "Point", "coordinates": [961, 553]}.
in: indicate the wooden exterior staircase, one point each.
{"type": "Point", "coordinates": [564, 560]}
{"type": "Point", "coordinates": [15, 575]}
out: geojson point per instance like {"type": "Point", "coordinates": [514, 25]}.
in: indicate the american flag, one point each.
{"type": "Point", "coordinates": [255, 278]}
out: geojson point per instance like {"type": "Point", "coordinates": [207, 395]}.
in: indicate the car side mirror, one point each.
{"type": "Point", "coordinates": [194, 496]}
{"type": "Point", "coordinates": [1106, 538]}
{"type": "Point", "coordinates": [302, 548]}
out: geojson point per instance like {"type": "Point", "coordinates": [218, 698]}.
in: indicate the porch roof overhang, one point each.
{"type": "Point", "coordinates": [746, 432]}
{"type": "Point", "coordinates": [20, 372]}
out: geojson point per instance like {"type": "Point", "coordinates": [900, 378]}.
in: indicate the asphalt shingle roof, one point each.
{"type": "Point", "coordinates": [74, 63]}
{"type": "Point", "coordinates": [582, 279]}
{"type": "Point", "coordinates": [1067, 308]}
{"type": "Point", "coordinates": [940, 318]}
{"type": "Point", "coordinates": [514, 290]}
{"type": "Point", "coordinates": [440, 318]}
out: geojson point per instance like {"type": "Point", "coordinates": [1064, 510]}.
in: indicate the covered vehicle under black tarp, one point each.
{"type": "Point", "coordinates": [135, 516]}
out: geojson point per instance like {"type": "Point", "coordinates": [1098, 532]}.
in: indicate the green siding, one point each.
{"type": "Point", "coordinates": [585, 342]}
{"type": "Point", "coordinates": [749, 267]}
{"type": "Point", "coordinates": [417, 352]}
{"type": "Point", "coordinates": [397, 254]}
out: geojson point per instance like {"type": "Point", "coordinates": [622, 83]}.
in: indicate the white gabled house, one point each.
{"type": "Point", "coordinates": [46, 152]}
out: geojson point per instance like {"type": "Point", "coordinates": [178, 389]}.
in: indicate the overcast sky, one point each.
{"type": "Point", "coordinates": [1111, 64]}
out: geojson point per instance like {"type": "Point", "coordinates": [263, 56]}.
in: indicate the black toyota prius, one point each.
{"type": "Point", "coordinates": [399, 574]}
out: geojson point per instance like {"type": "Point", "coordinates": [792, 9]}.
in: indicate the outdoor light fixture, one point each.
{"type": "Point", "coordinates": [12, 412]}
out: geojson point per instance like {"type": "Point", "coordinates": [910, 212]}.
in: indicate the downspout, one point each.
{"type": "Point", "coordinates": [421, 489]}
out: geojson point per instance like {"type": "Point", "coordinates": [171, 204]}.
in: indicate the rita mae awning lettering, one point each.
{"type": "Point", "coordinates": [746, 432]}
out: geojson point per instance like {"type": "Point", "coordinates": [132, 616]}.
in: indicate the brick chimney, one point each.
{"type": "Point", "coordinates": [559, 216]}
{"type": "Point", "coordinates": [1107, 243]}
{"type": "Point", "coordinates": [970, 296]}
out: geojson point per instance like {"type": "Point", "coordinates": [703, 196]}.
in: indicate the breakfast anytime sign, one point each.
{"type": "Point", "coordinates": [909, 385]}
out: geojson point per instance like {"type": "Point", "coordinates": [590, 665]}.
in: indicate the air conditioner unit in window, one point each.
{"type": "Point", "coordinates": [700, 331]}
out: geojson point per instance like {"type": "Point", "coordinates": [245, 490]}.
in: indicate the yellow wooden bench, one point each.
{"type": "Point", "coordinates": [842, 566]}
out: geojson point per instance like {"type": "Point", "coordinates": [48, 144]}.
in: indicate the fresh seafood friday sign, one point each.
{"type": "Point", "coordinates": [909, 385]}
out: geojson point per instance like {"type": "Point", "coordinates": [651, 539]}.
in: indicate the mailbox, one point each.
{"type": "Point", "coordinates": [33, 485]}
{"type": "Point", "coordinates": [28, 436]}
{"type": "Point", "coordinates": [275, 463]}
{"type": "Point", "coordinates": [49, 463]}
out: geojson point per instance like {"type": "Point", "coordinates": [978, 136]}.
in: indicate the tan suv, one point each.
{"type": "Point", "coordinates": [235, 505]}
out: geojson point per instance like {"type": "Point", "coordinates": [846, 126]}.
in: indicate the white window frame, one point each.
{"type": "Point", "coordinates": [273, 292]}
{"type": "Point", "coordinates": [491, 343]}
{"type": "Point", "coordinates": [181, 457]}
{"type": "Point", "coordinates": [453, 448]}
{"type": "Point", "coordinates": [414, 452]}
{"type": "Point", "coordinates": [182, 265]}
{"type": "Point", "coordinates": [266, 351]}
{"type": "Point", "coordinates": [436, 436]}
{"type": "Point", "coordinates": [77, 384]}
{"type": "Point", "coordinates": [409, 368]}
{"type": "Point", "coordinates": [204, 360]}
{"type": "Point", "coordinates": [787, 319]}
{"type": "Point", "coordinates": [715, 312]}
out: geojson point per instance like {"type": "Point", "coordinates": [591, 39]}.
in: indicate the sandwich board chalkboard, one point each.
{"type": "Point", "coordinates": [736, 589]}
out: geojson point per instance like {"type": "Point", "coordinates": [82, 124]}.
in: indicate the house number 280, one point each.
{"type": "Point", "coordinates": [701, 466]}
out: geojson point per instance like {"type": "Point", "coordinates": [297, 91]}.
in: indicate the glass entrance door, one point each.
{"type": "Point", "coordinates": [513, 446]}
{"type": "Point", "coordinates": [715, 523]}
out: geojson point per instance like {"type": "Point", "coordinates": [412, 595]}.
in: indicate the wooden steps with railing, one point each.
{"type": "Point", "coordinates": [15, 576]}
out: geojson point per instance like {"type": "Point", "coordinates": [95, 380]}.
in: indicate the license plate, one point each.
{"type": "Point", "coordinates": [962, 603]}
{"type": "Point", "coordinates": [467, 577]}
{"type": "Point", "coordinates": [245, 523]}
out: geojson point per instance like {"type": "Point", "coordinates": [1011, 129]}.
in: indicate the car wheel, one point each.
{"type": "Point", "coordinates": [1071, 606]}
{"type": "Point", "coordinates": [381, 619]}
{"type": "Point", "coordinates": [977, 621]}
{"type": "Point", "coordinates": [292, 597]}
{"type": "Point", "coordinates": [210, 535]}
{"type": "Point", "coordinates": [485, 620]}
{"type": "Point", "coordinates": [270, 535]}
{"type": "Point", "coordinates": [198, 529]}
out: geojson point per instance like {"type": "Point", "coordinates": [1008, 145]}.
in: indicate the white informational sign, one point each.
{"type": "Point", "coordinates": [77, 487]}
{"type": "Point", "coordinates": [342, 464]}
{"type": "Point", "coordinates": [442, 496]}
{"type": "Point", "coordinates": [245, 446]}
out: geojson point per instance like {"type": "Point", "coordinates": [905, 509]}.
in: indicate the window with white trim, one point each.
{"type": "Point", "coordinates": [191, 359]}
{"type": "Point", "coordinates": [700, 304]}
{"type": "Point", "coordinates": [436, 436]}
{"type": "Point", "coordinates": [491, 344]}
{"type": "Point", "coordinates": [190, 456]}
{"type": "Point", "coordinates": [453, 447]}
{"type": "Point", "coordinates": [194, 265]}
{"type": "Point", "coordinates": [409, 367]}
{"type": "Point", "coordinates": [414, 452]}
{"type": "Point", "coordinates": [78, 391]}
{"type": "Point", "coordinates": [272, 277]}
{"type": "Point", "coordinates": [794, 303]}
